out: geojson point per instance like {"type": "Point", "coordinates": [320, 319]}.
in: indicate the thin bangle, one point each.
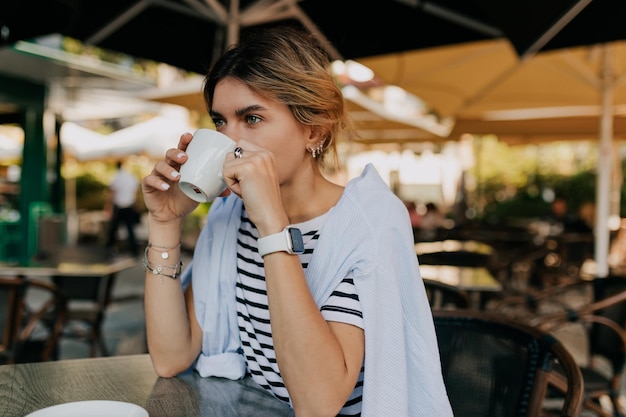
{"type": "Point", "coordinates": [158, 269]}
{"type": "Point", "coordinates": [165, 250]}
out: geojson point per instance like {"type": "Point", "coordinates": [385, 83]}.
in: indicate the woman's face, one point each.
{"type": "Point", "coordinates": [240, 113]}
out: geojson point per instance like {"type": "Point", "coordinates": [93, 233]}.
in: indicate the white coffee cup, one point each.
{"type": "Point", "coordinates": [201, 176]}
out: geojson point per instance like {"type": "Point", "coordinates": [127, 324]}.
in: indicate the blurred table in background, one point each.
{"type": "Point", "coordinates": [452, 245]}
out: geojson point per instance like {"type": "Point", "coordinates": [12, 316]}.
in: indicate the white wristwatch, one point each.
{"type": "Point", "coordinates": [289, 240]}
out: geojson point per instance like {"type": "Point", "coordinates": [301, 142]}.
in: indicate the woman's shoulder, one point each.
{"type": "Point", "coordinates": [373, 194]}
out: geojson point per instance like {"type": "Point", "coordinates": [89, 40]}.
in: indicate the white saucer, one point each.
{"type": "Point", "coordinates": [91, 409]}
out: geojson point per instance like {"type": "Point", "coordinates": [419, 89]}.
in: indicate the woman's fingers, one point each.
{"type": "Point", "coordinates": [156, 182]}
{"type": "Point", "coordinates": [252, 176]}
{"type": "Point", "coordinates": [166, 172]}
{"type": "Point", "coordinates": [161, 194]}
{"type": "Point", "coordinates": [184, 140]}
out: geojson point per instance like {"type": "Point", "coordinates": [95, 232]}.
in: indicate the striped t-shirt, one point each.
{"type": "Point", "coordinates": [253, 313]}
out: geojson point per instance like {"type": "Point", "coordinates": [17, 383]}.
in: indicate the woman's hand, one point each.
{"type": "Point", "coordinates": [254, 178]}
{"type": "Point", "coordinates": [163, 199]}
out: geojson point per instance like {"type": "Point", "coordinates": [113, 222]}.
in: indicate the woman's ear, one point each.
{"type": "Point", "coordinates": [316, 141]}
{"type": "Point", "coordinates": [315, 136]}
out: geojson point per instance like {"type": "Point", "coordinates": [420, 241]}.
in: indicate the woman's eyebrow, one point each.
{"type": "Point", "coordinates": [252, 108]}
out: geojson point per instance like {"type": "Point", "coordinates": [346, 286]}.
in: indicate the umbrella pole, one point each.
{"type": "Point", "coordinates": [604, 168]}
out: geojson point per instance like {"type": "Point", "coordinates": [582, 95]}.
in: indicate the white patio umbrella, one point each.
{"type": "Point", "coordinates": [152, 137]}
{"type": "Point", "coordinates": [10, 148]}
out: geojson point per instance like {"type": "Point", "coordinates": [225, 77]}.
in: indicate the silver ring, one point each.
{"type": "Point", "coordinates": [238, 152]}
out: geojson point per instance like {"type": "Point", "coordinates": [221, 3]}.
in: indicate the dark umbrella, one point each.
{"type": "Point", "coordinates": [189, 33]}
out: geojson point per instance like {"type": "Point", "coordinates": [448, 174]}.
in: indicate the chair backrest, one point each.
{"type": "Point", "coordinates": [606, 315]}
{"type": "Point", "coordinates": [501, 368]}
{"type": "Point", "coordinates": [441, 295]}
{"type": "Point", "coordinates": [18, 321]}
{"type": "Point", "coordinates": [456, 258]}
{"type": "Point", "coordinates": [603, 341]}
{"type": "Point", "coordinates": [11, 310]}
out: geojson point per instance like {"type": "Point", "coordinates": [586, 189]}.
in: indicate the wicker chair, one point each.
{"type": "Point", "coordinates": [502, 368]}
{"type": "Point", "coordinates": [596, 310]}
{"type": "Point", "coordinates": [603, 323]}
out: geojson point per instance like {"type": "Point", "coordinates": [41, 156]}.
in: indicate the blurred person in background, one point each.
{"type": "Point", "coordinates": [431, 221]}
{"type": "Point", "coordinates": [121, 208]}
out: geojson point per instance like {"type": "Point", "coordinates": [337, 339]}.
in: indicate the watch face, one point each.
{"type": "Point", "coordinates": [296, 240]}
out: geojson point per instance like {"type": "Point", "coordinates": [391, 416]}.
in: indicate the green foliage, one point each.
{"type": "Point", "coordinates": [91, 193]}
{"type": "Point", "coordinates": [521, 206]}
{"type": "Point", "coordinates": [516, 181]}
{"type": "Point", "coordinates": [136, 65]}
{"type": "Point", "coordinates": [577, 189]}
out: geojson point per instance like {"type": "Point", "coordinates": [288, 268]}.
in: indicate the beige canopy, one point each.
{"type": "Point", "coordinates": [486, 88]}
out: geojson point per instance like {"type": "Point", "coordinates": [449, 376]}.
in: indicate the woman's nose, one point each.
{"type": "Point", "coordinates": [231, 132]}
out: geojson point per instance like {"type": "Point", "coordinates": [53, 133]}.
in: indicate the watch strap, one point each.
{"type": "Point", "coordinates": [280, 242]}
{"type": "Point", "coordinates": [273, 243]}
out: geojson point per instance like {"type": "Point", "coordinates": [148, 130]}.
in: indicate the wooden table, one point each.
{"type": "Point", "coordinates": [474, 280]}
{"type": "Point", "coordinates": [28, 387]}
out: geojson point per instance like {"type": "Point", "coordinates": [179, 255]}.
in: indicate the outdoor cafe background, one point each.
{"type": "Point", "coordinates": [443, 171]}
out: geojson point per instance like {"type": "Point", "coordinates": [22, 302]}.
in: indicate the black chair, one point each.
{"type": "Point", "coordinates": [26, 335]}
{"type": "Point", "coordinates": [88, 298]}
{"type": "Point", "coordinates": [456, 258]}
{"type": "Point", "coordinates": [441, 295]}
{"type": "Point", "coordinates": [501, 368]}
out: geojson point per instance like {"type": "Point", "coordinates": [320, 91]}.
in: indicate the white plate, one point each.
{"type": "Point", "coordinates": [91, 409]}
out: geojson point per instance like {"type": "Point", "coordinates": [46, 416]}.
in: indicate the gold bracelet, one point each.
{"type": "Point", "coordinates": [165, 252]}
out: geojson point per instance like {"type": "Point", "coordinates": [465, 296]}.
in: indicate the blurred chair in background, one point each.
{"type": "Point", "coordinates": [444, 296]}
{"type": "Point", "coordinates": [603, 323]}
{"type": "Point", "coordinates": [25, 334]}
{"type": "Point", "coordinates": [588, 316]}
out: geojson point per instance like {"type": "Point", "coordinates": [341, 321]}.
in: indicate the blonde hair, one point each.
{"type": "Point", "coordinates": [291, 66]}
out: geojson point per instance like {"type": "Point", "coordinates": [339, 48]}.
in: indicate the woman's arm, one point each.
{"type": "Point", "coordinates": [174, 335]}
{"type": "Point", "coordinates": [319, 361]}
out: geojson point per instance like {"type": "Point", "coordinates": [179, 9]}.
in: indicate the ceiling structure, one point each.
{"type": "Point", "coordinates": [189, 34]}
{"type": "Point", "coordinates": [80, 88]}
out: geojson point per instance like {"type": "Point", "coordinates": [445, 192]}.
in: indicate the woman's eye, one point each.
{"type": "Point", "coordinates": [218, 122]}
{"type": "Point", "coordinates": [253, 119]}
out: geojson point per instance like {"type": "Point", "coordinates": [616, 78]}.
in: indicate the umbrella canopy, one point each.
{"type": "Point", "coordinates": [190, 33]}
{"type": "Point", "coordinates": [151, 137]}
{"type": "Point", "coordinates": [487, 86]}
{"type": "Point", "coordinates": [487, 80]}
{"type": "Point", "coordinates": [9, 148]}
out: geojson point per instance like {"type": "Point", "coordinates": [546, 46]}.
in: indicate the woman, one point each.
{"type": "Point", "coordinates": [343, 328]}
